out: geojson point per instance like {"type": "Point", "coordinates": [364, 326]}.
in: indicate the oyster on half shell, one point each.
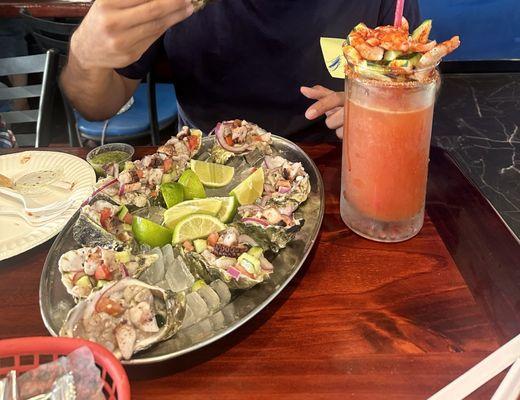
{"type": "Point", "coordinates": [89, 268]}
{"type": "Point", "coordinates": [126, 317]}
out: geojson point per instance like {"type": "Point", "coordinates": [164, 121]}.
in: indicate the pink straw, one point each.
{"type": "Point", "coordinates": [398, 18]}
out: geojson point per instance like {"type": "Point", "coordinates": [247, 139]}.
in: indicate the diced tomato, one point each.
{"type": "Point", "coordinates": [104, 216]}
{"type": "Point", "coordinates": [127, 219]}
{"type": "Point", "coordinates": [154, 193]}
{"type": "Point", "coordinates": [167, 165]}
{"type": "Point", "coordinates": [109, 306]}
{"type": "Point", "coordinates": [139, 173]}
{"type": "Point", "coordinates": [212, 239]}
{"type": "Point", "coordinates": [193, 142]}
{"type": "Point", "coordinates": [229, 140]}
{"type": "Point", "coordinates": [103, 273]}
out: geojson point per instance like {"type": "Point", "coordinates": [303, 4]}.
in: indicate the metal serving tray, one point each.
{"type": "Point", "coordinates": [55, 302]}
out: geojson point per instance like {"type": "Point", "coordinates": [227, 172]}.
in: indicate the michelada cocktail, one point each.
{"type": "Point", "coordinates": [391, 82]}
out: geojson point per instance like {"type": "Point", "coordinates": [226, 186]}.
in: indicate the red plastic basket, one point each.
{"type": "Point", "coordinates": [26, 353]}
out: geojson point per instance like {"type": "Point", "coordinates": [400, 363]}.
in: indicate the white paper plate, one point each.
{"type": "Point", "coordinates": [16, 236]}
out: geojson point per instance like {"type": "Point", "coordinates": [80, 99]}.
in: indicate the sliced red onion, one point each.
{"type": "Point", "coordinates": [235, 273]}
{"type": "Point", "coordinates": [219, 133]}
{"type": "Point", "coordinates": [124, 271]}
{"type": "Point", "coordinates": [246, 239]}
{"type": "Point", "coordinates": [100, 189]}
{"type": "Point", "coordinates": [121, 190]}
{"type": "Point", "coordinates": [284, 189]}
{"type": "Point", "coordinates": [255, 221]}
{"type": "Point", "coordinates": [265, 264]}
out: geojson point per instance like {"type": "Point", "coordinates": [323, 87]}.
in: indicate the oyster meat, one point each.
{"type": "Point", "coordinates": [238, 137]}
{"type": "Point", "coordinates": [138, 184]}
{"type": "Point", "coordinates": [126, 317]}
{"type": "Point", "coordinates": [89, 268]}
{"type": "Point", "coordinates": [286, 184]}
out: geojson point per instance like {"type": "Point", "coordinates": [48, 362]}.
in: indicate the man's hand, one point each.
{"type": "Point", "coordinates": [328, 103]}
{"type": "Point", "coordinates": [115, 33]}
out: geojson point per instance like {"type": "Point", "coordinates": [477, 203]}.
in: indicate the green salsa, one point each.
{"type": "Point", "coordinates": [115, 156]}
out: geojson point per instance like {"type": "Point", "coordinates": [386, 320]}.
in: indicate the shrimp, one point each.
{"type": "Point", "coordinates": [370, 53]}
{"type": "Point", "coordinates": [352, 55]}
{"type": "Point", "coordinates": [433, 56]}
{"type": "Point", "coordinates": [422, 47]}
{"type": "Point", "coordinates": [392, 38]}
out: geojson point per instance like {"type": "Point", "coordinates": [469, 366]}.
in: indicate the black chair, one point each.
{"type": "Point", "coordinates": [49, 34]}
{"type": "Point", "coordinates": [56, 35]}
{"type": "Point", "coordinates": [42, 116]}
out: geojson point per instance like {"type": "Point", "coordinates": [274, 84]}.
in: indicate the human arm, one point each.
{"type": "Point", "coordinates": [114, 34]}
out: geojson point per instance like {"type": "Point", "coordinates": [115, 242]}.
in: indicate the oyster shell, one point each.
{"type": "Point", "coordinates": [88, 229]}
{"type": "Point", "coordinates": [238, 137]}
{"type": "Point", "coordinates": [228, 265]}
{"type": "Point", "coordinates": [126, 317]}
{"type": "Point", "coordinates": [83, 270]}
{"type": "Point", "coordinates": [285, 184]}
{"type": "Point", "coordinates": [271, 228]}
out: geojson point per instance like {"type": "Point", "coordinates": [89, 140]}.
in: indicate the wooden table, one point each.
{"type": "Point", "coordinates": [45, 8]}
{"type": "Point", "coordinates": [362, 320]}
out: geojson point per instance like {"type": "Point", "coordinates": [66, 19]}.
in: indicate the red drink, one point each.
{"type": "Point", "coordinates": [385, 157]}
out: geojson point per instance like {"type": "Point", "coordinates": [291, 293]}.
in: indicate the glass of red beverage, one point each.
{"type": "Point", "coordinates": [386, 145]}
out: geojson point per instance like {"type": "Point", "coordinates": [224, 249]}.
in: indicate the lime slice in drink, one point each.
{"type": "Point", "coordinates": [228, 209]}
{"type": "Point", "coordinates": [196, 226]}
{"type": "Point", "coordinates": [209, 206]}
{"type": "Point", "coordinates": [212, 175]}
{"type": "Point", "coordinates": [150, 233]}
{"type": "Point", "coordinates": [172, 193]}
{"type": "Point", "coordinates": [193, 188]}
{"type": "Point", "coordinates": [250, 189]}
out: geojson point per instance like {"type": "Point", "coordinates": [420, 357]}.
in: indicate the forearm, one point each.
{"type": "Point", "coordinates": [96, 93]}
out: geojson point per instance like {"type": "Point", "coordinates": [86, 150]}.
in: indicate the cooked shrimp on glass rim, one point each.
{"type": "Point", "coordinates": [389, 52]}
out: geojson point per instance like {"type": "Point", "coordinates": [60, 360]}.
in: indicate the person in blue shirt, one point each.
{"type": "Point", "coordinates": [257, 60]}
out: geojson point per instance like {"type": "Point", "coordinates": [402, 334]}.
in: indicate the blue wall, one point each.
{"type": "Point", "coordinates": [489, 29]}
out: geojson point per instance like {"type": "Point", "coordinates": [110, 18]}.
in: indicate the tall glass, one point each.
{"type": "Point", "coordinates": [386, 144]}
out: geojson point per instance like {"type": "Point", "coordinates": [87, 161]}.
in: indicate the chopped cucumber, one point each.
{"type": "Point", "coordinates": [84, 281]}
{"type": "Point", "coordinates": [122, 212]}
{"type": "Point", "coordinates": [101, 283]}
{"type": "Point", "coordinates": [360, 27]}
{"type": "Point", "coordinates": [123, 256]}
{"type": "Point", "coordinates": [197, 285]}
{"type": "Point", "coordinates": [256, 251]}
{"type": "Point", "coordinates": [421, 33]}
{"type": "Point", "coordinates": [200, 245]}
{"type": "Point", "coordinates": [250, 263]}
{"type": "Point", "coordinates": [391, 55]}
{"type": "Point", "coordinates": [166, 178]}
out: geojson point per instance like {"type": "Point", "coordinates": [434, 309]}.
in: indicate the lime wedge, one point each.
{"type": "Point", "coordinates": [173, 193]}
{"type": "Point", "coordinates": [150, 233]}
{"type": "Point", "coordinates": [196, 226]}
{"type": "Point", "coordinates": [250, 189]}
{"type": "Point", "coordinates": [193, 188]}
{"type": "Point", "coordinates": [228, 209]}
{"type": "Point", "coordinates": [209, 206]}
{"type": "Point", "coordinates": [212, 175]}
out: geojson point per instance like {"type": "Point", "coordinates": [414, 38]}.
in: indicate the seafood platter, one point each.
{"type": "Point", "coordinates": [175, 250]}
